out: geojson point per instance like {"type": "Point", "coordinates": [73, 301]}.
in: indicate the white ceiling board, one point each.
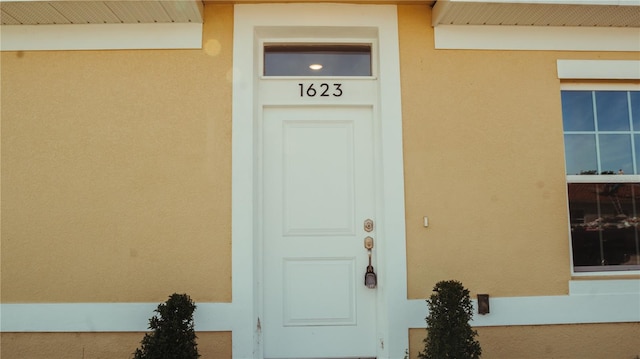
{"type": "Point", "coordinates": [535, 13]}
{"type": "Point", "coordinates": [7, 19]}
{"type": "Point", "coordinates": [84, 12]}
{"type": "Point", "coordinates": [34, 13]}
{"type": "Point", "coordinates": [139, 11]}
{"type": "Point", "coordinates": [21, 12]}
{"type": "Point", "coordinates": [181, 11]}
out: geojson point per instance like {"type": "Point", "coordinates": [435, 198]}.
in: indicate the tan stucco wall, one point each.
{"type": "Point", "coordinates": [483, 157]}
{"type": "Point", "coordinates": [588, 341]}
{"type": "Point", "coordinates": [116, 184]}
{"type": "Point", "coordinates": [116, 172]}
{"type": "Point", "coordinates": [97, 345]}
{"type": "Point", "coordinates": [116, 169]}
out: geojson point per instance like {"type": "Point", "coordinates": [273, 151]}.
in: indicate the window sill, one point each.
{"type": "Point", "coordinates": [607, 274]}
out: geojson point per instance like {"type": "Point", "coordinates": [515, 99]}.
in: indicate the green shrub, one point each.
{"type": "Point", "coordinates": [449, 334]}
{"type": "Point", "coordinates": [173, 335]}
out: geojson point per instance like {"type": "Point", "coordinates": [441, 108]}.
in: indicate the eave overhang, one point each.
{"type": "Point", "coordinates": [599, 25]}
{"type": "Point", "coordinates": [570, 13]}
{"type": "Point", "coordinates": [584, 13]}
{"type": "Point", "coordinates": [66, 12]}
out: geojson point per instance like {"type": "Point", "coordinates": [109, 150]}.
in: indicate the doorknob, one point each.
{"type": "Point", "coordinates": [368, 243]}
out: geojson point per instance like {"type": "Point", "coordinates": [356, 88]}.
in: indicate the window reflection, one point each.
{"type": "Point", "coordinates": [604, 225]}
{"type": "Point", "coordinates": [317, 60]}
{"type": "Point", "coordinates": [602, 137]}
{"type": "Point", "coordinates": [635, 109]}
{"type": "Point", "coordinates": [577, 111]}
{"type": "Point", "coordinates": [580, 153]}
{"type": "Point", "coordinates": [637, 151]}
{"type": "Point", "coordinates": [608, 145]}
{"type": "Point", "coordinates": [615, 154]}
{"type": "Point", "coordinates": [612, 110]}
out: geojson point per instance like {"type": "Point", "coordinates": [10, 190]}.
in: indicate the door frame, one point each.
{"type": "Point", "coordinates": [251, 23]}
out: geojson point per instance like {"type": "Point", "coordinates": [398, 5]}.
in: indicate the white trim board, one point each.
{"type": "Point", "coordinates": [103, 317]}
{"type": "Point", "coordinates": [586, 305]}
{"type": "Point", "coordinates": [490, 37]}
{"type": "Point", "coordinates": [605, 287]}
{"type": "Point", "coordinates": [599, 69]}
{"type": "Point", "coordinates": [551, 310]}
{"type": "Point", "coordinates": [101, 36]}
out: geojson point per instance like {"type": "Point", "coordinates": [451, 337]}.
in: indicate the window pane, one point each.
{"type": "Point", "coordinates": [580, 152]}
{"type": "Point", "coordinates": [613, 110]}
{"type": "Point", "coordinates": [635, 109]}
{"type": "Point", "coordinates": [637, 150]}
{"type": "Point", "coordinates": [604, 225]}
{"type": "Point", "coordinates": [619, 227]}
{"type": "Point", "coordinates": [584, 214]}
{"type": "Point", "coordinates": [615, 154]}
{"type": "Point", "coordinates": [317, 60]}
{"type": "Point", "coordinates": [577, 111]}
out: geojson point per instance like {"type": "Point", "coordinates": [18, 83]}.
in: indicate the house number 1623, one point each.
{"type": "Point", "coordinates": [322, 90]}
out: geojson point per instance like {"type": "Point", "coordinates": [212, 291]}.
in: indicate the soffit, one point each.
{"type": "Point", "coordinates": [29, 12]}
{"type": "Point", "coordinates": [586, 13]}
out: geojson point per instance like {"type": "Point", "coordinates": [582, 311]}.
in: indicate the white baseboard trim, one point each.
{"type": "Point", "coordinates": [583, 306]}
{"type": "Point", "coordinates": [550, 310]}
{"type": "Point", "coordinates": [605, 287]}
{"type": "Point", "coordinates": [589, 301]}
{"type": "Point", "coordinates": [103, 317]}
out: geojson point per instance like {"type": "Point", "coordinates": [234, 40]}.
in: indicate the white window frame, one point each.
{"type": "Point", "coordinates": [611, 70]}
{"type": "Point", "coordinates": [372, 42]}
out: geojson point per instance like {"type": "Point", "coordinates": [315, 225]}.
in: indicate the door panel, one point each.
{"type": "Point", "coordinates": [319, 154]}
{"type": "Point", "coordinates": [318, 191]}
{"type": "Point", "coordinates": [332, 286]}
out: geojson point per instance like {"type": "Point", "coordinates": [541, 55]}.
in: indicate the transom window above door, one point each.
{"type": "Point", "coordinates": [317, 60]}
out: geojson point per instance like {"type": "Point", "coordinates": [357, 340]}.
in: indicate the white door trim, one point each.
{"type": "Point", "coordinates": [248, 19]}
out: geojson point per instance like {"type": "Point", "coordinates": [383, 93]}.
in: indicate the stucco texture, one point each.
{"type": "Point", "coordinates": [484, 161]}
{"type": "Point", "coordinates": [116, 172]}
{"type": "Point", "coordinates": [585, 341]}
{"type": "Point", "coordinates": [98, 345]}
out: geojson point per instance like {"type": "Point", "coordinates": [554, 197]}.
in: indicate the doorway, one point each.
{"type": "Point", "coordinates": [314, 157]}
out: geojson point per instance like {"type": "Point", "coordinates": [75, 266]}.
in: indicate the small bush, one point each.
{"type": "Point", "coordinates": [449, 334]}
{"type": "Point", "coordinates": [173, 335]}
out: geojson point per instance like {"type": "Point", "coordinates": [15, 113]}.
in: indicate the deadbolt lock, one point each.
{"type": "Point", "coordinates": [368, 225]}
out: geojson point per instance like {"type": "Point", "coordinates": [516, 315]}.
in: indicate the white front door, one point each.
{"type": "Point", "coordinates": [318, 190]}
